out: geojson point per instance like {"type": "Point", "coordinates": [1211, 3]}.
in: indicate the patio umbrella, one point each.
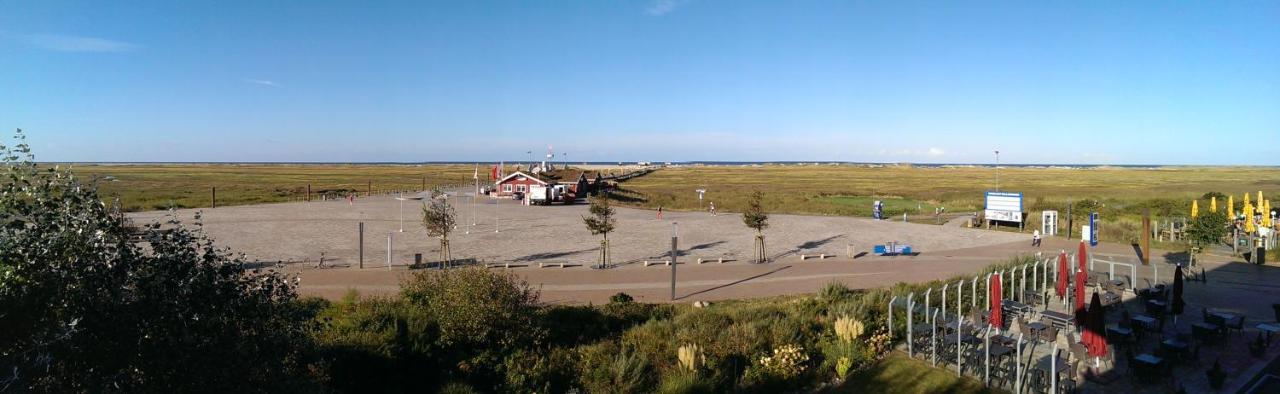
{"type": "Point", "coordinates": [997, 317]}
{"type": "Point", "coordinates": [1195, 209]}
{"type": "Point", "coordinates": [1231, 207]}
{"type": "Point", "coordinates": [1082, 257]}
{"type": "Point", "coordinates": [1095, 338]}
{"type": "Point", "coordinates": [1081, 279]}
{"type": "Point", "coordinates": [1064, 274]}
{"type": "Point", "coordinates": [1213, 204]}
{"type": "Point", "coordinates": [1176, 307]}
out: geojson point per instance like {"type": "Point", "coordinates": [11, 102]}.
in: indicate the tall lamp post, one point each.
{"type": "Point", "coordinates": [997, 170]}
{"type": "Point", "coordinates": [675, 234]}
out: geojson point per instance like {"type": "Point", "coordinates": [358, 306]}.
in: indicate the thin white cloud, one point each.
{"type": "Point", "coordinates": [935, 152]}
{"type": "Point", "coordinates": [663, 7]}
{"type": "Point", "coordinates": [66, 43]}
{"type": "Point", "coordinates": [262, 82]}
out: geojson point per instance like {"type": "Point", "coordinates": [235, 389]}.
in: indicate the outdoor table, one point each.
{"type": "Point", "coordinates": [1156, 303]}
{"type": "Point", "coordinates": [1110, 298]}
{"type": "Point", "coordinates": [1269, 328]}
{"type": "Point", "coordinates": [1144, 319]}
{"type": "Point", "coordinates": [1060, 319]}
{"type": "Point", "coordinates": [998, 350]}
{"type": "Point", "coordinates": [1036, 327]}
{"type": "Point", "coordinates": [1225, 316]}
{"type": "Point", "coordinates": [1116, 282]}
{"type": "Point", "coordinates": [1119, 332]}
{"type": "Point", "coordinates": [1148, 364]}
{"type": "Point", "coordinates": [1174, 346]}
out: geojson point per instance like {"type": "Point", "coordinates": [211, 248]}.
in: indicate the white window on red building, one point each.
{"type": "Point", "coordinates": [520, 188]}
{"type": "Point", "coordinates": [506, 188]}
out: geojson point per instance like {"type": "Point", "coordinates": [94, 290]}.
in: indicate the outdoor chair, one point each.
{"type": "Point", "coordinates": [1203, 334]}
{"type": "Point", "coordinates": [1049, 334]}
{"type": "Point", "coordinates": [1236, 324]}
{"type": "Point", "coordinates": [1037, 381]}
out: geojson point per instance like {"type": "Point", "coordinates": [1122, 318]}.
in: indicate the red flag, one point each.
{"type": "Point", "coordinates": [1064, 274]}
{"type": "Point", "coordinates": [997, 317]}
{"type": "Point", "coordinates": [493, 173]}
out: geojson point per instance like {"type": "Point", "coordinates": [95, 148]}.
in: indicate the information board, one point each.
{"type": "Point", "coordinates": [1004, 207]}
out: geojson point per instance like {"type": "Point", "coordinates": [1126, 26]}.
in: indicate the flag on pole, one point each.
{"type": "Point", "coordinates": [476, 175]}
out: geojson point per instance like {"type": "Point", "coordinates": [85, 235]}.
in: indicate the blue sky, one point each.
{"type": "Point", "coordinates": [1100, 82]}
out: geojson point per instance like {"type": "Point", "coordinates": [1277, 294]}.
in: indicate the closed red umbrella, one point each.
{"type": "Point", "coordinates": [1081, 279]}
{"type": "Point", "coordinates": [1064, 275]}
{"type": "Point", "coordinates": [1095, 338]}
{"type": "Point", "coordinates": [1177, 304]}
{"type": "Point", "coordinates": [1082, 257]}
{"type": "Point", "coordinates": [997, 317]}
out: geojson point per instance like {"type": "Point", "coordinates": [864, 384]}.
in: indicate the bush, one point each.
{"type": "Point", "coordinates": [87, 308]}
{"type": "Point", "coordinates": [685, 382]}
{"type": "Point", "coordinates": [608, 368]}
{"type": "Point", "coordinates": [474, 306]}
{"type": "Point", "coordinates": [620, 298]}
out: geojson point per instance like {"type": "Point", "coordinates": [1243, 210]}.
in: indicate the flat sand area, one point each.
{"type": "Point", "coordinates": [297, 233]}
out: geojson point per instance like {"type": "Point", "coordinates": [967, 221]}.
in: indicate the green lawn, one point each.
{"type": "Point", "coordinates": [899, 374]}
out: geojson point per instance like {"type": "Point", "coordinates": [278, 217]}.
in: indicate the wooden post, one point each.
{"type": "Point", "coordinates": [368, 189]}
{"type": "Point", "coordinates": [361, 243]}
{"type": "Point", "coordinates": [308, 192]}
{"type": "Point", "coordinates": [424, 184]}
{"type": "Point", "coordinates": [213, 197]}
{"type": "Point", "coordinates": [1146, 236]}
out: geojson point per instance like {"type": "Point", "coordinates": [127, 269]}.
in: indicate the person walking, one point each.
{"type": "Point", "coordinates": [659, 212]}
{"type": "Point", "coordinates": [1035, 238]}
{"type": "Point", "coordinates": [713, 208]}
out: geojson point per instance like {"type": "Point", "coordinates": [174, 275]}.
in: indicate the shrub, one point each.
{"type": "Point", "coordinates": [620, 298]}
{"type": "Point", "coordinates": [86, 308]}
{"type": "Point", "coordinates": [685, 382]}
{"type": "Point", "coordinates": [474, 306]}
{"type": "Point", "coordinates": [541, 371]}
{"type": "Point", "coordinates": [607, 368]}
{"type": "Point", "coordinates": [834, 291]}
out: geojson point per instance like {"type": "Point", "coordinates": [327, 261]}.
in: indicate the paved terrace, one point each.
{"type": "Point", "coordinates": [1238, 290]}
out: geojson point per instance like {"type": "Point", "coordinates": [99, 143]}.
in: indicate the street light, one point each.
{"type": "Point", "coordinates": [997, 170]}
{"type": "Point", "coordinates": [402, 198]}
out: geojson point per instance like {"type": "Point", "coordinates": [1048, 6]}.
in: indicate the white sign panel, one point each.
{"type": "Point", "coordinates": [1004, 206]}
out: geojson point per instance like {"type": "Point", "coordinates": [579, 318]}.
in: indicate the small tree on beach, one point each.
{"type": "Point", "coordinates": [601, 222]}
{"type": "Point", "coordinates": [439, 219]}
{"type": "Point", "coordinates": [756, 218]}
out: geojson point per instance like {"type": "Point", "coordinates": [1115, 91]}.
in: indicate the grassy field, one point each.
{"type": "Point", "coordinates": [148, 187]}
{"type": "Point", "coordinates": [899, 374]}
{"type": "Point", "coordinates": [1119, 194]}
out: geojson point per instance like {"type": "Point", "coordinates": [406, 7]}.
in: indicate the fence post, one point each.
{"type": "Point", "coordinates": [911, 306]}
{"type": "Point", "coordinates": [944, 300]}
{"type": "Point", "coordinates": [891, 300]}
{"type": "Point", "coordinates": [368, 189]}
{"type": "Point", "coordinates": [926, 305]}
{"type": "Point", "coordinates": [213, 197]}
{"type": "Point", "coordinates": [960, 300]}
{"type": "Point", "coordinates": [973, 293]}
{"type": "Point", "coordinates": [361, 243]}
{"type": "Point", "coordinates": [389, 248]}
{"type": "Point", "coordinates": [933, 339]}
{"type": "Point", "coordinates": [308, 192]}
{"type": "Point", "coordinates": [959, 361]}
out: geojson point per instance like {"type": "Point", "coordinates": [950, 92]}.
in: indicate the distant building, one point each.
{"type": "Point", "coordinates": [517, 182]}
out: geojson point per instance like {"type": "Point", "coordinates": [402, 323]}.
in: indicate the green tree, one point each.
{"type": "Point", "coordinates": [440, 219]}
{"type": "Point", "coordinates": [91, 303]}
{"type": "Point", "coordinates": [600, 221]}
{"type": "Point", "coordinates": [1207, 229]}
{"type": "Point", "coordinates": [756, 218]}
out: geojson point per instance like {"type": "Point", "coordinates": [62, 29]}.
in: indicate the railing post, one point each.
{"type": "Point", "coordinates": [926, 305]}
{"type": "Point", "coordinates": [960, 300]}
{"type": "Point", "coordinates": [1017, 388]}
{"type": "Point", "coordinates": [959, 360]}
{"type": "Point", "coordinates": [986, 350]}
{"type": "Point", "coordinates": [1053, 369]}
{"type": "Point", "coordinates": [1022, 284]}
{"type": "Point", "coordinates": [1133, 284]}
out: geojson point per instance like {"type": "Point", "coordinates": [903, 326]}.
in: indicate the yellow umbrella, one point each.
{"type": "Point", "coordinates": [1246, 200]}
{"type": "Point", "coordinates": [1248, 218]}
{"type": "Point", "coordinates": [1259, 199]}
{"type": "Point", "coordinates": [1195, 209]}
{"type": "Point", "coordinates": [1213, 204]}
{"type": "Point", "coordinates": [1266, 213]}
{"type": "Point", "coordinates": [1231, 207]}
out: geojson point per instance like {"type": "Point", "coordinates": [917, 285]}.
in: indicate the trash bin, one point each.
{"type": "Point", "coordinates": [1262, 255]}
{"type": "Point", "coordinates": [417, 259]}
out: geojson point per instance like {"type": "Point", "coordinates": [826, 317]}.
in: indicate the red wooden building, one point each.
{"type": "Point", "coordinates": [517, 182]}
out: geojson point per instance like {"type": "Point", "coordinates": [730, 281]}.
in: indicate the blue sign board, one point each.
{"type": "Point", "coordinates": [1093, 229]}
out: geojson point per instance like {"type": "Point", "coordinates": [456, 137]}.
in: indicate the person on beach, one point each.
{"type": "Point", "coordinates": [1035, 238]}
{"type": "Point", "coordinates": [659, 212]}
{"type": "Point", "coordinates": [713, 208]}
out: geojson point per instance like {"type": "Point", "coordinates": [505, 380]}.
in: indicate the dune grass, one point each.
{"type": "Point", "coordinates": [899, 374]}
{"type": "Point", "coordinates": [148, 187]}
